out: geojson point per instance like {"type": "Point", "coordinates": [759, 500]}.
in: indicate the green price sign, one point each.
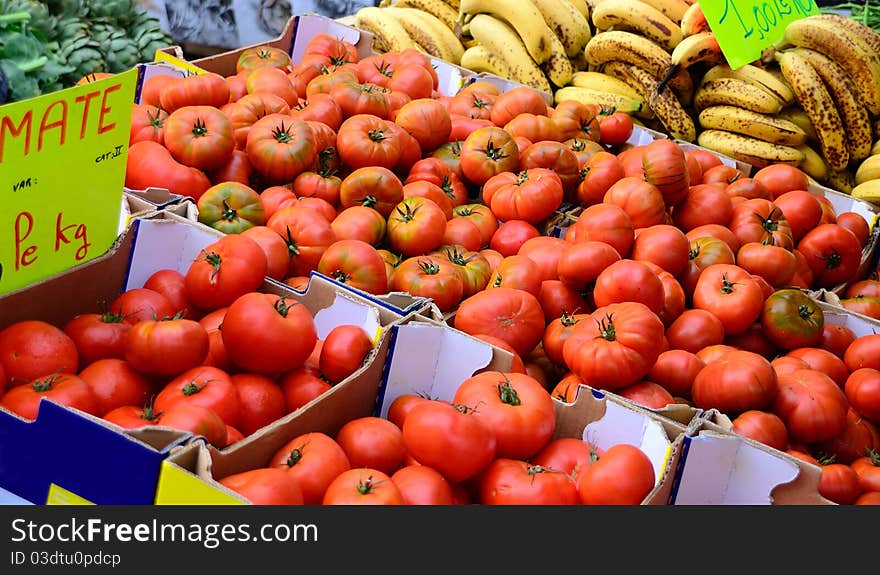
{"type": "Point", "coordinates": [744, 28]}
{"type": "Point", "coordinates": [62, 169]}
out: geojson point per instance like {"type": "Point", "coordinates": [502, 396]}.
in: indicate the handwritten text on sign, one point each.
{"type": "Point", "coordinates": [744, 28]}
{"type": "Point", "coordinates": [62, 169]}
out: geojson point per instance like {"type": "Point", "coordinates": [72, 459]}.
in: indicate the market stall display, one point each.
{"type": "Point", "coordinates": [377, 240]}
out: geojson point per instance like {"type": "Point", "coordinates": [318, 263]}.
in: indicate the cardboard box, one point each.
{"type": "Point", "coordinates": [67, 457]}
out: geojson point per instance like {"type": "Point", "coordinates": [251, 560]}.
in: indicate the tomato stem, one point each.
{"type": "Point", "coordinates": [429, 267]}
{"type": "Point", "coordinates": [507, 393]}
{"type": "Point", "coordinates": [191, 388]}
{"type": "Point", "coordinates": [493, 152]}
{"type": "Point", "coordinates": [282, 307]}
{"type": "Point", "coordinates": [377, 135]}
{"type": "Point", "coordinates": [199, 129]}
{"type": "Point", "coordinates": [294, 457]}
{"type": "Point", "coordinates": [726, 285]}
{"type": "Point", "coordinates": [229, 213]}
{"type": "Point", "coordinates": [365, 487]}
{"type": "Point", "coordinates": [606, 329]}
{"type": "Point", "coordinates": [46, 384]}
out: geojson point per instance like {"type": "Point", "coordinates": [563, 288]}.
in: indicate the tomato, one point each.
{"type": "Point", "coordinates": [824, 361]}
{"type": "Point", "coordinates": [141, 304]}
{"type": "Point", "coordinates": [415, 226]}
{"type": "Point", "coordinates": [704, 204]}
{"type": "Point", "coordinates": [782, 178]}
{"type": "Point", "coordinates": [735, 382]}
{"type": "Point", "coordinates": [482, 217]}
{"type": "Point", "coordinates": [150, 164]}
{"type": "Point", "coordinates": [832, 252]}
{"type": "Point", "coordinates": [762, 426]}
{"type": "Point", "coordinates": [275, 249]}
{"type": "Point", "coordinates": [95, 336]}
{"type": "Point", "coordinates": [512, 315]}
{"type": "Point", "coordinates": [864, 351]}
{"type": "Point", "coordinates": [486, 152]}
{"type": "Point", "coordinates": [675, 370]}
{"type": "Point", "coordinates": [473, 267]}
{"type": "Point", "coordinates": [792, 319]}
{"type": "Point", "coordinates": [374, 187]}
{"type": "Point", "coordinates": [462, 232]}
{"type": "Point", "coordinates": [510, 481]}
{"type": "Point", "coordinates": [607, 223]}
{"type": "Point", "coordinates": [337, 50]}
{"type": "Point", "coordinates": [557, 298]}
{"type": "Point", "coordinates": [166, 347]}
{"type": "Point", "coordinates": [546, 252]}
{"type": "Point", "coordinates": [115, 383]}
{"type": "Point", "coordinates": [862, 389]}
{"type": "Point", "coordinates": [413, 79]}
{"type": "Point", "coordinates": [554, 156]}
{"type": "Point", "coordinates": [431, 277]}
{"type": "Point", "coordinates": [270, 80]}
{"type": "Point", "coordinates": [307, 235]}
{"type": "Point", "coordinates": [513, 102]}
{"type": "Point", "coordinates": [511, 235]}
{"type": "Point", "coordinates": [729, 293]}
{"type": "Point", "coordinates": [856, 223]}
{"type": "Point", "coordinates": [622, 475]}
{"type": "Point", "coordinates": [362, 486]}
{"type": "Point", "coordinates": [557, 332]}
{"type": "Point", "coordinates": [64, 388]}
{"type": "Point", "coordinates": [581, 263]}
{"type": "Point", "coordinates": [268, 334]}
{"type": "Point", "coordinates": [435, 171]}
{"type": "Point", "coordinates": [628, 280]}
{"type": "Point", "coordinates": [450, 155]}
{"type": "Point", "coordinates": [231, 208]}
{"type": "Point", "coordinates": [717, 232]}
{"type": "Point", "coordinates": [402, 405]}
{"type": "Point", "coordinates": [868, 498]}
{"type": "Point", "coordinates": [531, 195]}
{"type": "Point", "coordinates": [802, 211]}
{"type": "Point", "coordinates": [615, 128]}
{"type": "Point", "coordinates": [518, 272]}
{"type": "Point", "coordinates": [265, 486]}
{"type": "Point", "coordinates": [647, 394]}
{"type": "Point", "coordinates": [473, 104]}
{"type": "Point", "coordinates": [152, 86]}
{"type": "Point", "coordinates": [615, 346]}
{"type": "Point", "coordinates": [327, 78]}
{"type": "Point", "coordinates": [568, 455]}
{"type": "Point", "coordinates": [260, 401]}
{"type": "Point", "coordinates": [313, 460]}
{"type": "Point", "coordinates": [664, 245]}
{"type": "Point", "coordinates": [839, 483]}
{"type": "Point", "coordinates": [666, 168]}
{"type": "Point", "coordinates": [641, 201]}
{"type": "Point", "coordinates": [868, 470]}
{"type": "Point", "coordinates": [199, 137]}
{"type": "Point", "coordinates": [366, 140]}
{"type": "Point", "coordinates": [205, 386]}
{"type": "Point", "coordinates": [422, 485]}
{"type": "Point", "coordinates": [256, 56]}
{"type": "Point", "coordinates": [280, 148]}
{"type": "Point", "coordinates": [302, 385]}
{"type": "Point", "coordinates": [858, 439]}
{"type": "Point", "coordinates": [355, 263]}
{"type": "Point", "coordinates": [812, 406]}
{"type": "Point", "coordinates": [372, 442]}
{"type": "Point", "coordinates": [434, 430]}
{"type": "Point", "coordinates": [694, 330]}
{"type": "Point", "coordinates": [147, 123]}
{"type": "Point", "coordinates": [597, 175]}
{"type": "Point", "coordinates": [430, 191]}
{"type": "Point", "coordinates": [208, 89]}
{"type": "Point", "coordinates": [584, 149]}
{"type": "Point", "coordinates": [427, 121]}
{"type": "Point", "coordinates": [319, 108]}
{"type": "Point", "coordinates": [836, 338]}
{"type": "Point", "coordinates": [343, 352]}
{"type": "Point", "coordinates": [514, 406]}
{"type": "Point", "coordinates": [575, 120]}
{"type": "Point", "coordinates": [323, 185]}
{"type": "Point", "coordinates": [532, 128]}
{"type": "Point", "coordinates": [355, 98]}
{"type": "Point", "coordinates": [225, 269]}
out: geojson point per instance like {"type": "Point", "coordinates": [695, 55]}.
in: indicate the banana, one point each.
{"type": "Point", "coordinates": [817, 102]}
{"type": "Point", "coordinates": [758, 153]}
{"type": "Point", "coordinates": [558, 67]}
{"type": "Point", "coordinates": [569, 25]}
{"type": "Point", "coordinates": [437, 8]}
{"type": "Point", "coordinates": [833, 41]}
{"type": "Point", "coordinates": [479, 59]}
{"type": "Point", "coordinates": [672, 9]}
{"type": "Point", "coordinates": [757, 75]}
{"type": "Point", "coordinates": [639, 51]}
{"type": "Point", "coordinates": [605, 100]}
{"type": "Point", "coordinates": [454, 4]}
{"type": "Point", "coordinates": [501, 39]}
{"type": "Point", "coordinates": [876, 127]}
{"type": "Point", "coordinates": [693, 21]}
{"type": "Point", "coordinates": [579, 63]}
{"type": "Point", "coordinates": [869, 169]}
{"type": "Point", "coordinates": [522, 16]}
{"type": "Point", "coordinates": [875, 149]}
{"type": "Point", "coordinates": [429, 32]}
{"type": "Point", "coordinates": [699, 47]}
{"type": "Point", "coordinates": [582, 7]}
{"type": "Point", "coordinates": [667, 108]}
{"type": "Point", "coordinates": [637, 16]}
{"type": "Point", "coordinates": [797, 115]}
{"type": "Point", "coordinates": [389, 34]}
{"type": "Point", "coordinates": [604, 82]}
{"type": "Point", "coordinates": [868, 191]}
{"type": "Point", "coordinates": [761, 126]}
{"type": "Point", "coordinates": [857, 124]}
{"type": "Point", "coordinates": [868, 35]}
{"type": "Point", "coordinates": [843, 181]}
{"type": "Point", "coordinates": [736, 92]}
{"type": "Point", "coordinates": [813, 164]}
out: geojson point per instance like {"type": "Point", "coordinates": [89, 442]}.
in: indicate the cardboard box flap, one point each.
{"type": "Point", "coordinates": [429, 359]}
{"type": "Point", "coordinates": [450, 78]}
{"type": "Point", "coordinates": [307, 26]}
{"type": "Point", "coordinates": [641, 136]}
{"type": "Point", "coordinates": [860, 324]}
{"type": "Point", "coordinates": [158, 197]}
{"type": "Point", "coordinates": [82, 455]}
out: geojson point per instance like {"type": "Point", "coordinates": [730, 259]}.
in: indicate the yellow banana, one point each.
{"type": "Point", "coordinates": [699, 47]}
{"type": "Point", "coordinates": [502, 40]}
{"type": "Point", "coordinates": [606, 100]}
{"type": "Point", "coordinates": [856, 122]}
{"type": "Point", "coordinates": [579, 62]}
{"type": "Point", "coordinates": [569, 25]}
{"type": "Point", "coordinates": [876, 127]}
{"type": "Point", "coordinates": [867, 34]}
{"type": "Point", "coordinates": [736, 92]}
{"type": "Point", "coordinates": [868, 191]}
{"type": "Point", "coordinates": [869, 169]}
{"type": "Point", "coordinates": [693, 21]}
{"type": "Point", "coordinates": [761, 126]}
{"type": "Point", "coordinates": [761, 77]}
{"type": "Point", "coordinates": [604, 82]}
{"type": "Point", "coordinates": [389, 34]}
{"type": "Point", "coordinates": [429, 32]}
{"type": "Point", "coordinates": [523, 17]}
{"type": "Point", "coordinates": [558, 67]}
{"type": "Point", "coordinates": [875, 149]}
{"type": "Point", "coordinates": [479, 59]}
{"type": "Point", "coordinates": [758, 153]}
{"type": "Point", "coordinates": [672, 9]}
{"type": "Point", "coordinates": [666, 107]}
{"type": "Point", "coordinates": [582, 7]}
{"type": "Point", "coordinates": [639, 51]}
{"type": "Point", "coordinates": [813, 164]}
{"type": "Point", "coordinates": [833, 41]}
{"type": "Point", "coordinates": [637, 16]}
{"type": "Point", "coordinates": [842, 180]}
{"type": "Point", "coordinates": [797, 115]}
{"type": "Point", "coordinates": [437, 8]}
{"type": "Point", "coordinates": [817, 102]}
{"type": "Point", "coordinates": [454, 4]}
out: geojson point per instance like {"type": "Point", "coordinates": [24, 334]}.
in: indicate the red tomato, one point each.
{"type": "Point", "coordinates": [343, 352]}
{"type": "Point", "coordinates": [704, 204]}
{"type": "Point", "coordinates": [512, 315]}
{"type": "Point", "coordinates": [140, 304]}
{"type": "Point", "coordinates": [664, 245]}
{"type": "Point", "coordinates": [114, 383]}
{"type": "Point", "coordinates": [260, 401]}
{"type": "Point", "coordinates": [623, 475]}
{"type": "Point", "coordinates": [64, 388]}
{"type": "Point", "coordinates": [372, 442]}
{"type": "Point", "coordinates": [862, 352]}
{"type": "Point", "coordinates": [307, 234]}
{"type": "Point", "coordinates": [812, 406]}
{"type": "Point", "coordinates": [628, 280]}
{"type": "Point", "coordinates": [858, 439]}
{"type": "Point", "coordinates": [647, 394]}
{"type": "Point", "coordinates": [402, 405]}
{"type": "Point", "coordinates": [581, 263]}
{"type": "Point", "coordinates": [694, 330]}
{"type": "Point", "coordinates": [422, 485]}
{"type": "Point", "coordinates": [615, 128]}
{"type": "Point", "coordinates": [362, 486]}
{"type": "Point", "coordinates": [96, 336]}
{"type": "Point", "coordinates": [641, 201]}
{"type": "Point", "coordinates": [729, 293]}
{"type": "Point", "coordinates": [762, 426]}
{"type": "Point", "coordinates": [735, 382]}
{"type": "Point", "coordinates": [597, 174]}
{"type": "Point", "coordinates": [675, 370]}
{"type": "Point", "coordinates": [428, 122]}
{"type": "Point", "coordinates": [566, 454]}
{"type": "Point", "coordinates": [227, 268]}
{"type": "Point", "coordinates": [862, 389]}
{"type": "Point", "coordinates": [431, 277]}
{"type": "Point", "coordinates": [781, 178]}
{"type": "Point", "coordinates": [415, 226]}
{"type": "Point", "coordinates": [167, 347]}
{"type": "Point", "coordinates": [206, 386]}
{"type": "Point", "coordinates": [265, 486]}
{"type": "Point", "coordinates": [486, 152]}
{"type": "Point", "coordinates": [833, 253]}
{"type": "Point", "coordinates": [302, 385]}
{"type": "Point", "coordinates": [514, 482]}
{"type": "Point", "coordinates": [313, 460]}
{"type": "Point", "coordinates": [839, 483]}
{"type": "Point", "coordinates": [356, 264]}
{"type": "Point", "coordinates": [605, 223]}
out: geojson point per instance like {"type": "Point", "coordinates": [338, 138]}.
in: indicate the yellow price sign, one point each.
{"type": "Point", "coordinates": [62, 168]}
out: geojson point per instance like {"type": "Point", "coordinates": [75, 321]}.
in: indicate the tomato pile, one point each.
{"type": "Point", "coordinates": [158, 355]}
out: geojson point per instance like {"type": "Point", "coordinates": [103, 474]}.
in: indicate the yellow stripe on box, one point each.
{"type": "Point", "coordinates": [60, 496]}
{"type": "Point", "coordinates": [179, 487]}
{"type": "Point", "coordinates": [161, 56]}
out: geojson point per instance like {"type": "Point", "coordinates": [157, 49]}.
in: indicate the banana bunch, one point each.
{"type": "Point", "coordinates": [538, 43]}
{"type": "Point", "coordinates": [425, 25]}
{"type": "Point", "coordinates": [832, 64]}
